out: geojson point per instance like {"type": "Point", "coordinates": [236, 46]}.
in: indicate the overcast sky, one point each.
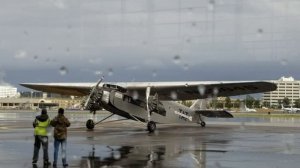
{"type": "Point", "coordinates": [148, 40]}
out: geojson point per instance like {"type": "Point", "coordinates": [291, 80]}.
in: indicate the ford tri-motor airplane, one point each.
{"type": "Point", "coordinates": [153, 102]}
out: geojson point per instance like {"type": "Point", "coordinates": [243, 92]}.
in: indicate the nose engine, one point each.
{"type": "Point", "coordinates": [93, 102]}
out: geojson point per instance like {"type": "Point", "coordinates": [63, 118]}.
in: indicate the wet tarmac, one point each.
{"type": "Point", "coordinates": [127, 144]}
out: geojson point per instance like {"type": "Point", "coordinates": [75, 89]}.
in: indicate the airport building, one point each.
{"type": "Point", "coordinates": [32, 100]}
{"type": "Point", "coordinates": [286, 87]}
{"type": "Point", "coordinates": [8, 91]}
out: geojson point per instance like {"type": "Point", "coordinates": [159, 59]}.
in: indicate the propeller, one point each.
{"type": "Point", "coordinates": [95, 94]}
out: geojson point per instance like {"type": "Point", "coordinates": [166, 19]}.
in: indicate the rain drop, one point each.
{"type": "Point", "coordinates": [216, 91]}
{"type": "Point", "coordinates": [98, 73]}
{"type": "Point", "coordinates": [21, 54]}
{"type": "Point", "coordinates": [186, 67]}
{"type": "Point", "coordinates": [173, 95]}
{"type": "Point", "coordinates": [135, 95]}
{"type": "Point", "coordinates": [260, 31]}
{"type": "Point", "coordinates": [176, 59]}
{"type": "Point", "coordinates": [194, 24]}
{"type": "Point", "coordinates": [110, 72]}
{"type": "Point", "coordinates": [242, 126]}
{"type": "Point", "coordinates": [201, 89]}
{"type": "Point", "coordinates": [116, 156]}
{"type": "Point", "coordinates": [63, 70]}
{"type": "Point", "coordinates": [284, 62]}
{"type": "Point", "coordinates": [35, 57]}
{"type": "Point", "coordinates": [211, 5]}
{"type": "Point", "coordinates": [154, 73]}
{"type": "Point", "coordinates": [67, 49]}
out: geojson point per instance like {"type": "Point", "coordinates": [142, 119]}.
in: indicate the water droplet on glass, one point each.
{"type": "Point", "coordinates": [201, 89]}
{"type": "Point", "coordinates": [110, 72]}
{"type": "Point", "coordinates": [284, 62]}
{"type": "Point", "coordinates": [176, 59]}
{"type": "Point", "coordinates": [186, 85]}
{"type": "Point", "coordinates": [260, 31]}
{"type": "Point", "coordinates": [135, 95]}
{"type": "Point", "coordinates": [63, 70]}
{"type": "Point", "coordinates": [217, 165]}
{"type": "Point", "coordinates": [242, 126]}
{"type": "Point", "coordinates": [35, 57]}
{"type": "Point", "coordinates": [211, 5]}
{"type": "Point", "coordinates": [26, 33]}
{"type": "Point", "coordinates": [186, 67]}
{"type": "Point", "coordinates": [188, 40]}
{"type": "Point", "coordinates": [194, 24]}
{"type": "Point", "coordinates": [98, 73]}
{"type": "Point", "coordinates": [216, 91]}
{"type": "Point", "coordinates": [173, 95]}
{"type": "Point", "coordinates": [154, 73]}
{"type": "Point", "coordinates": [49, 48]}
{"type": "Point", "coordinates": [116, 155]}
{"type": "Point", "coordinates": [21, 54]}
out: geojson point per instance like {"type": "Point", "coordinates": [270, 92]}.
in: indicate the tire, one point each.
{"type": "Point", "coordinates": [202, 124]}
{"type": "Point", "coordinates": [90, 124]}
{"type": "Point", "coordinates": [151, 126]}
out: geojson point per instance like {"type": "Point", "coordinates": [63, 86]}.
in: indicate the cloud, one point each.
{"type": "Point", "coordinates": [145, 36]}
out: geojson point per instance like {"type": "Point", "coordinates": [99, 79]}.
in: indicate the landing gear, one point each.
{"type": "Point", "coordinates": [151, 126]}
{"type": "Point", "coordinates": [90, 124]}
{"type": "Point", "coordinates": [202, 123]}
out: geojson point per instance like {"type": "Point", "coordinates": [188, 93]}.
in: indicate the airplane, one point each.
{"type": "Point", "coordinates": [249, 109]}
{"type": "Point", "coordinates": [290, 109]}
{"type": "Point", "coordinates": [153, 102]}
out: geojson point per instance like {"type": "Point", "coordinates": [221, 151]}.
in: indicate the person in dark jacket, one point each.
{"type": "Point", "coordinates": [40, 124]}
{"type": "Point", "coordinates": [60, 124]}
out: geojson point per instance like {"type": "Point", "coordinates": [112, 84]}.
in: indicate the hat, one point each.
{"type": "Point", "coordinates": [61, 111]}
{"type": "Point", "coordinates": [44, 111]}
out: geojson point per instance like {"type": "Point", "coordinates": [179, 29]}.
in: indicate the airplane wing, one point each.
{"type": "Point", "coordinates": [165, 90]}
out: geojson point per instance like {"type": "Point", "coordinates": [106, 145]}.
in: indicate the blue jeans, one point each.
{"type": "Point", "coordinates": [63, 143]}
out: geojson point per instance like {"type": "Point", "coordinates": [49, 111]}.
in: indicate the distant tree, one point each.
{"type": "Point", "coordinates": [249, 101]}
{"type": "Point", "coordinates": [286, 101]}
{"type": "Point", "coordinates": [297, 103]}
{"type": "Point", "coordinates": [266, 104]}
{"type": "Point", "coordinates": [279, 103]}
{"type": "Point", "coordinates": [256, 104]}
{"type": "Point", "coordinates": [237, 103]}
{"type": "Point", "coordinates": [228, 102]}
{"type": "Point", "coordinates": [187, 103]}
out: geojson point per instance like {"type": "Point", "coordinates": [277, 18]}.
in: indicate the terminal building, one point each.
{"type": "Point", "coordinates": [8, 91]}
{"type": "Point", "coordinates": [33, 100]}
{"type": "Point", "coordinates": [286, 87]}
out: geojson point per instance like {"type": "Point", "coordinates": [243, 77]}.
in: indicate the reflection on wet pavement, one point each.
{"type": "Point", "coordinates": [127, 144]}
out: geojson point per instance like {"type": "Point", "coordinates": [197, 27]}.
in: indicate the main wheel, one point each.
{"type": "Point", "coordinates": [151, 126]}
{"type": "Point", "coordinates": [202, 123]}
{"type": "Point", "coordinates": [90, 124]}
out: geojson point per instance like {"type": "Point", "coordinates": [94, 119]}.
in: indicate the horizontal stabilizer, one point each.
{"type": "Point", "coordinates": [214, 113]}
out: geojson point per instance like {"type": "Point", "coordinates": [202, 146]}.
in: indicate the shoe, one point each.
{"type": "Point", "coordinates": [66, 165]}
{"type": "Point", "coordinates": [34, 161]}
{"type": "Point", "coordinates": [47, 163]}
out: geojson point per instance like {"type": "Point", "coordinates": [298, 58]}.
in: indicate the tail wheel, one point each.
{"type": "Point", "coordinates": [90, 124]}
{"type": "Point", "coordinates": [151, 126]}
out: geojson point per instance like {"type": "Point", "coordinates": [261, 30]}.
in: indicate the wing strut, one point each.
{"type": "Point", "coordinates": [147, 102]}
{"type": "Point", "coordinates": [151, 126]}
